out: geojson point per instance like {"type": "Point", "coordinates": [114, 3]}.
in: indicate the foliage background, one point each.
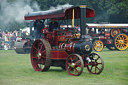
{"type": "Point", "coordinates": [113, 11]}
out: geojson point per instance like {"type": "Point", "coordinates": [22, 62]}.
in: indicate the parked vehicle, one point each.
{"type": "Point", "coordinates": [113, 36]}
{"type": "Point", "coordinates": [23, 44]}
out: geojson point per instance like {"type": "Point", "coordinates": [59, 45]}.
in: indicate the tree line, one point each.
{"type": "Point", "coordinates": [112, 11]}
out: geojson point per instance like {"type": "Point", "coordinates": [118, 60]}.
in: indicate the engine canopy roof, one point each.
{"type": "Point", "coordinates": [61, 13]}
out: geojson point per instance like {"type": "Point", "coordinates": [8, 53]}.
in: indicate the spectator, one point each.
{"type": "Point", "coordinates": [3, 33]}
{"type": "Point", "coordinates": [0, 35]}
{"type": "Point", "coordinates": [13, 38]}
{"type": "Point", "coordinates": [0, 39]}
{"type": "Point", "coordinates": [6, 38]}
{"type": "Point", "coordinates": [53, 25]}
{"type": "Point", "coordinates": [38, 26]}
{"type": "Point", "coordinates": [0, 44]}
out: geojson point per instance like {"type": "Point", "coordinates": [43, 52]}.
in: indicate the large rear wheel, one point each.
{"type": "Point", "coordinates": [121, 41]}
{"type": "Point", "coordinates": [40, 55]}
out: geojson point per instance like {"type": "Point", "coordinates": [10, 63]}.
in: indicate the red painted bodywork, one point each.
{"type": "Point", "coordinates": [59, 54]}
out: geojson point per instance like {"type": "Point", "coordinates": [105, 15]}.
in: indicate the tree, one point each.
{"type": "Point", "coordinates": [118, 9]}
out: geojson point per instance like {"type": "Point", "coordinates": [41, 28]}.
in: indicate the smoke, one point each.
{"type": "Point", "coordinates": [61, 6]}
{"type": "Point", "coordinates": [51, 10]}
{"type": "Point", "coordinates": [11, 12]}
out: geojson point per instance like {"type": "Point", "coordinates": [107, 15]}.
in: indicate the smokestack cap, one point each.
{"type": "Point", "coordinates": [83, 6]}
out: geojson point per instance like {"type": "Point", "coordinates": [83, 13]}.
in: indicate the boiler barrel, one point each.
{"type": "Point", "coordinates": [83, 47]}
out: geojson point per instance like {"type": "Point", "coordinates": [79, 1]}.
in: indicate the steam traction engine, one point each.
{"type": "Point", "coordinates": [113, 36]}
{"type": "Point", "coordinates": [65, 48]}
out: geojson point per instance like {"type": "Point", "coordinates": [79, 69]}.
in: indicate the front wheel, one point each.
{"type": "Point", "coordinates": [114, 32]}
{"type": "Point", "coordinates": [74, 65]}
{"type": "Point", "coordinates": [98, 45]}
{"type": "Point", "coordinates": [96, 64]}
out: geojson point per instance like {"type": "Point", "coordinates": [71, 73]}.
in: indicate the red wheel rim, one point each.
{"type": "Point", "coordinates": [38, 55]}
{"type": "Point", "coordinates": [74, 65]}
{"type": "Point", "coordinates": [96, 65]}
{"type": "Point", "coordinates": [114, 32]}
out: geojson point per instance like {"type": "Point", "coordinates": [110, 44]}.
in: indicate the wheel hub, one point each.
{"type": "Point", "coordinates": [87, 47]}
{"type": "Point", "coordinates": [98, 44]}
{"type": "Point", "coordinates": [39, 55]}
{"type": "Point", "coordinates": [120, 41]}
{"type": "Point", "coordinates": [73, 65]}
{"type": "Point", "coordinates": [115, 32]}
{"type": "Point", "coordinates": [94, 63]}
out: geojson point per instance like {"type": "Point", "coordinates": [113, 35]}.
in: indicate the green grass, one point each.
{"type": "Point", "coordinates": [16, 69]}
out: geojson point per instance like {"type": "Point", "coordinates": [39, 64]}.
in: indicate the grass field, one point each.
{"type": "Point", "coordinates": [16, 69]}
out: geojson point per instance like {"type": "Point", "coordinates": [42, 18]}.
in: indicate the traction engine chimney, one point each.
{"type": "Point", "coordinates": [82, 21]}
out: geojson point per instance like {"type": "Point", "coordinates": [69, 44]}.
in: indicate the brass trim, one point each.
{"type": "Point", "coordinates": [87, 48]}
{"type": "Point", "coordinates": [73, 47]}
{"type": "Point", "coordinates": [83, 6]}
{"type": "Point", "coordinates": [73, 18]}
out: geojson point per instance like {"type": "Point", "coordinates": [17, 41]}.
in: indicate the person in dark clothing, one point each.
{"type": "Point", "coordinates": [0, 39]}
{"type": "Point", "coordinates": [38, 26]}
{"type": "Point", "coordinates": [0, 35]}
{"type": "Point", "coordinates": [53, 25]}
{"type": "Point", "coordinates": [12, 41]}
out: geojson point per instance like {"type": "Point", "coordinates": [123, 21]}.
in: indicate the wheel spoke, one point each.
{"type": "Point", "coordinates": [38, 43]}
{"type": "Point", "coordinates": [70, 69]}
{"type": "Point", "coordinates": [76, 70]}
{"type": "Point", "coordinates": [95, 69]}
{"type": "Point", "coordinates": [43, 52]}
{"type": "Point", "coordinates": [75, 58]}
{"type": "Point", "coordinates": [34, 57]}
{"type": "Point", "coordinates": [71, 60]}
{"type": "Point", "coordinates": [97, 59]}
{"type": "Point", "coordinates": [91, 67]}
{"type": "Point", "coordinates": [39, 65]}
{"type": "Point", "coordinates": [35, 48]}
{"type": "Point", "coordinates": [37, 62]}
{"type": "Point", "coordinates": [77, 62]}
{"type": "Point", "coordinates": [99, 63]}
{"type": "Point", "coordinates": [98, 68]}
{"type": "Point", "coordinates": [69, 64]}
{"type": "Point", "coordinates": [40, 47]}
{"type": "Point", "coordinates": [41, 60]}
{"type": "Point", "coordinates": [36, 66]}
